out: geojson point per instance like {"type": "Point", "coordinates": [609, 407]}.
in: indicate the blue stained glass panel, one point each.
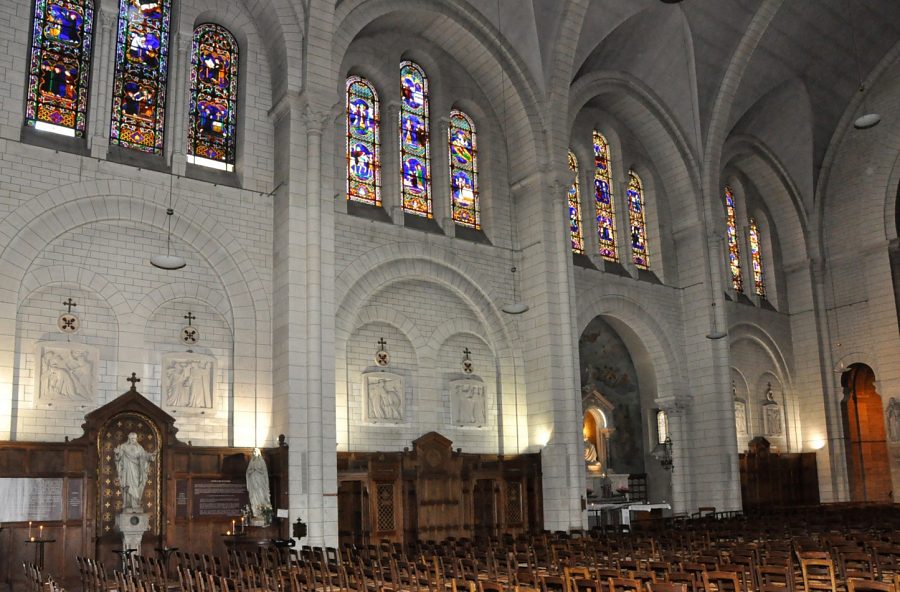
{"type": "Point", "coordinates": [363, 166]}
{"type": "Point", "coordinates": [415, 160]}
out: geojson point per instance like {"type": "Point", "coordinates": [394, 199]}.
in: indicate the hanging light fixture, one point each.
{"type": "Point", "coordinates": [868, 119]}
{"type": "Point", "coordinates": [168, 261]}
{"type": "Point", "coordinates": [515, 307]}
{"type": "Point", "coordinates": [715, 333]}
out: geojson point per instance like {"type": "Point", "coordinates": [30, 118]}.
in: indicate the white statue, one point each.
{"type": "Point", "coordinates": [258, 484]}
{"type": "Point", "coordinates": [132, 467]}
{"type": "Point", "coordinates": [590, 452]}
{"type": "Point", "coordinates": [771, 413]}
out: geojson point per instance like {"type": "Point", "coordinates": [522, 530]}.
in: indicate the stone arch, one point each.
{"type": "Point", "coordinates": [41, 277]}
{"type": "Point", "coordinates": [159, 296]}
{"type": "Point", "coordinates": [654, 338]}
{"type": "Point", "coordinates": [464, 26]}
{"type": "Point", "coordinates": [674, 159]}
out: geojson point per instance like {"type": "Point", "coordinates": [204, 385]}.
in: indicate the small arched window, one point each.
{"type": "Point", "coordinates": [415, 160]}
{"type": "Point", "coordinates": [603, 199]}
{"type": "Point", "coordinates": [575, 207]}
{"type": "Point", "coordinates": [662, 426]}
{"type": "Point", "coordinates": [139, 85]}
{"type": "Point", "coordinates": [62, 31]}
{"type": "Point", "coordinates": [759, 284]}
{"type": "Point", "coordinates": [463, 149]}
{"type": "Point", "coordinates": [734, 251]}
{"type": "Point", "coordinates": [362, 148]}
{"type": "Point", "coordinates": [640, 254]}
{"type": "Point", "coordinates": [214, 90]}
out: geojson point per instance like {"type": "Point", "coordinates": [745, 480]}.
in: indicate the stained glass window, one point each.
{"type": "Point", "coordinates": [662, 426]}
{"type": "Point", "coordinates": [463, 170]}
{"type": "Point", "coordinates": [603, 199]}
{"type": "Point", "coordinates": [734, 251]}
{"type": "Point", "coordinates": [415, 165]}
{"type": "Point", "coordinates": [139, 86]}
{"type": "Point", "coordinates": [61, 36]}
{"type": "Point", "coordinates": [363, 164]}
{"type": "Point", "coordinates": [214, 84]}
{"type": "Point", "coordinates": [575, 207]}
{"type": "Point", "coordinates": [756, 259]}
{"type": "Point", "coordinates": [640, 255]}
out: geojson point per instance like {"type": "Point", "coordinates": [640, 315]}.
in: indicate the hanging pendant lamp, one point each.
{"type": "Point", "coordinates": [169, 262]}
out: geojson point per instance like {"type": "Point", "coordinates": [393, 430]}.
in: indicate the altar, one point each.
{"type": "Point", "coordinates": [620, 513]}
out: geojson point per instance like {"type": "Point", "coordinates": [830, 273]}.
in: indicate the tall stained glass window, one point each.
{"type": "Point", "coordinates": [363, 164]}
{"type": "Point", "coordinates": [61, 35]}
{"type": "Point", "coordinates": [415, 165]}
{"type": "Point", "coordinates": [756, 259]}
{"type": "Point", "coordinates": [464, 170]}
{"type": "Point", "coordinates": [640, 254]}
{"type": "Point", "coordinates": [139, 86]}
{"type": "Point", "coordinates": [214, 85]}
{"type": "Point", "coordinates": [575, 207]}
{"type": "Point", "coordinates": [603, 199]}
{"type": "Point", "coordinates": [734, 251]}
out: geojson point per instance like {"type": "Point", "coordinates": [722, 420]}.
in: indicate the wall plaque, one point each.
{"type": "Point", "coordinates": [188, 383]}
{"type": "Point", "coordinates": [31, 498]}
{"type": "Point", "coordinates": [218, 498]}
{"type": "Point", "coordinates": [66, 374]}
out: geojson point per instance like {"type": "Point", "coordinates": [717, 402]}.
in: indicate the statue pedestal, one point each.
{"type": "Point", "coordinates": [132, 525]}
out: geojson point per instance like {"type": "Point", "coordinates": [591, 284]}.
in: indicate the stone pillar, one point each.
{"type": "Point", "coordinates": [303, 325]}
{"type": "Point", "coordinates": [178, 102]}
{"type": "Point", "coordinates": [101, 81]}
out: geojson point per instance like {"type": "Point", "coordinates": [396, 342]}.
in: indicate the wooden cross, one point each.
{"type": "Point", "coordinates": [382, 342]}
{"type": "Point", "coordinates": [133, 380]}
{"type": "Point", "coordinates": [467, 352]}
{"type": "Point", "coordinates": [189, 318]}
{"type": "Point", "coordinates": [69, 303]}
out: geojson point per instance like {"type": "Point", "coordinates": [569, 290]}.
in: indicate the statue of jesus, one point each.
{"type": "Point", "coordinates": [132, 465]}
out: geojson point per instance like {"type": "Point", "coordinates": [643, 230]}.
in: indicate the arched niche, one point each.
{"type": "Point", "coordinates": [868, 464]}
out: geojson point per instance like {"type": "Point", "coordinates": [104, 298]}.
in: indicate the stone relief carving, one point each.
{"type": "Point", "coordinates": [188, 382]}
{"type": "Point", "coordinates": [467, 398]}
{"type": "Point", "coordinates": [66, 373]}
{"type": "Point", "coordinates": [893, 420]}
{"type": "Point", "coordinates": [771, 414]}
{"type": "Point", "coordinates": [383, 395]}
{"type": "Point", "coordinates": [740, 417]}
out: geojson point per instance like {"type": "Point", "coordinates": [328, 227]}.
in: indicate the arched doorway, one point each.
{"type": "Point", "coordinates": [868, 464]}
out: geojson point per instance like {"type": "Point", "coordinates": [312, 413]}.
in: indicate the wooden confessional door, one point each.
{"type": "Point", "coordinates": [353, 513]}
{"type": "Point", "coordinates": [485, 506]}
{"type": "Point", "coordinates": [868, 464]}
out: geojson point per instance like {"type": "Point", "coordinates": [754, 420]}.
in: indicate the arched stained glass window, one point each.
{"type": "Point", "coordinates": [214, 90]}
{"type": "Point", "coordinates": [463, 170]}
{"type": "Point", "coordinates": [415, 164]}
{"type": "Point", "coordinates": [139, 86]}
{"type": "Point", "coordinates": [575, 207]}
{"type": "Point", "coordinates": [734, 250]}
{"type": "Point", "coordinates": [603, 199]}
{"type": "Point", "coordinates": [756, 259]}
{"type": "Point", "coordinates": [640, 254]}
{"type": "Point", "coordinates": [363, 164]}
{"type": "Point", "coordinates": [61, 35]}
{"type": "Point", "coordinates": [662, 426]}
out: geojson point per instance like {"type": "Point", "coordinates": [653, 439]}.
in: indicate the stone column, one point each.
{"type": "Point", "coordinates": [101, 81]}
{"type": "Point", "coordinates": [178, 101]}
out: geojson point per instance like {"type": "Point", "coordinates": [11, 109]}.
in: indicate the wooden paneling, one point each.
{"type": "Point", "coordinates": [771, 480]}
{"type": "Point", "coordinates": [433, 492]}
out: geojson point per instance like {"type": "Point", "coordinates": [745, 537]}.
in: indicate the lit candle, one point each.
{"type": "Point", "coordinates": [41, 532]}
{"type": "Point", "coordinates": [32, 538]}
{"type": "Point", "coordinates": [228, 533]}
{"type": "Point", "coordinates": [29, 530]}
{"type": "Point", "coordinates": [232, 524]}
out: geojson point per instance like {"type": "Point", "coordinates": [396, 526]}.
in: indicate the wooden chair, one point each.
{"type": "Point", "coordinates": [818, 574]}
{"type": "Point", "coordinates": [553, 584]}
{"type": "Point", "coordinates": [684, 577]}
{"type": "Point", "coordinates": [666, 587]}
{"type": "Point", "coordinates": [774, 578]}
{"type": "Point", "coordinates": [859, 585]}
{"type": "Point", "coordinates": [721, 581]}
{"type": "Point", "coordinates": [625, 585]}
{"type": "Point", "coordinates": [575, 573]}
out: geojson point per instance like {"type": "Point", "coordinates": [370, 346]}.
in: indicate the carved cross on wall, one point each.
{"type": "Point", "coordinates": [190, 317]}
{"type": "Point", "coordinates": [467, 352]}
{"type": "Point", "coordinates": [133, 380]}
{"type": "Point", "coordinates": [70, 303]}
{"type": "Point", "coordinates": [382, 343]}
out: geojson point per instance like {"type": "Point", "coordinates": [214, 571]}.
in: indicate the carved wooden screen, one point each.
{"type": "Point", "coordinates": [114, 433]}
{"type": "Point", "coordinates": [384, 510]}
{"type": "Point", "coordinates": [514, 502]}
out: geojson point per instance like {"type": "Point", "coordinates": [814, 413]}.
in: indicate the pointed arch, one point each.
{"type": "Point", "coordinates": [214, 94]}
{"type": "Point", "coordinates": [603, 199]}
{"type": "Point", "coordinates": [575, 207]}
{"type": "Point", "coordinates": [415, 159]}
{"type": "Point", "coordinates": [640, 252]}
{"type": "Point", "coordinates": [139, 85]}
{"type": "Point", "coordinates": [62, 33]}
{"type": "Point", "coordinates": [362, 147]}
{"type": "Point", "coordinates": [463, 150]}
